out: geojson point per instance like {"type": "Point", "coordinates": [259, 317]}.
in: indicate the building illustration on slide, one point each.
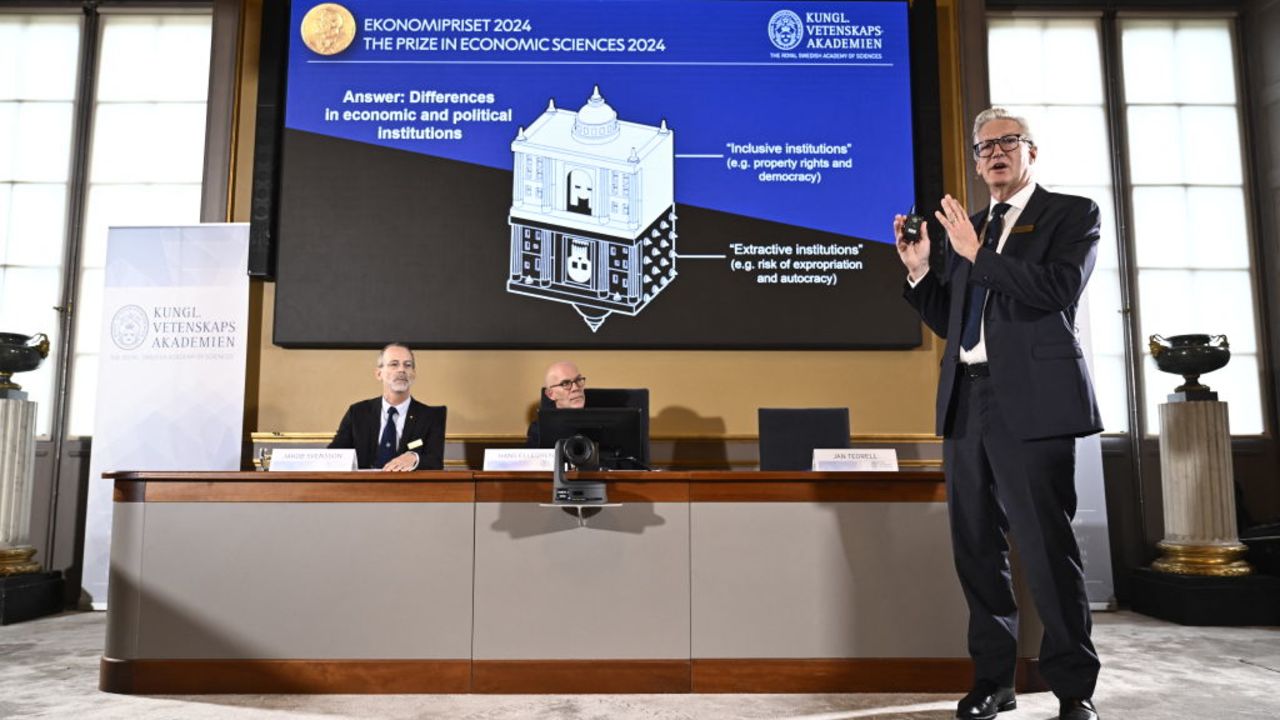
{"type": "Point", "coordinates": [593, 210]}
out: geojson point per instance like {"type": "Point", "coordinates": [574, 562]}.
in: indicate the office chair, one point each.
{"type": "Point", "coordinates": [788, 436]}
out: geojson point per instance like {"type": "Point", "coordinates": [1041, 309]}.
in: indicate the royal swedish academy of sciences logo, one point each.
{"type": "Point", "coordinates": [785, 30]}
{"type": "Point", "coordinates": [129, 327]}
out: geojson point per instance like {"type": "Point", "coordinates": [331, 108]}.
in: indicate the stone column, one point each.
{"type": "Point", "coordinates": [1199, 497]}
{"type": "Point", "coordinates": [17, 480]}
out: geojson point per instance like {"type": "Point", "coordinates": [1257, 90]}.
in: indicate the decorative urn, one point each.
{"type": "Point", "coordinates": [20, 353]}
{"type": "Point", "coordinates": [1190, 356]}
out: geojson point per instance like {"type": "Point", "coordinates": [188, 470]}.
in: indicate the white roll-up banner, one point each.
{"type": "Point", "coordinates": [1090, 522]}
{"type": "Point", "coordinates": [171, 373]}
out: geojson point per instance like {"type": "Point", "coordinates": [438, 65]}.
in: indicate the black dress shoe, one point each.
{"type": "Point", "coordinates": [984, 701]}
{"type": "Point", "coordinates": [1077, 710]}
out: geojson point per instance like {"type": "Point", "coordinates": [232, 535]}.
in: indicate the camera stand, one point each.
{"type": "Point", "coordinates": [582, 512]}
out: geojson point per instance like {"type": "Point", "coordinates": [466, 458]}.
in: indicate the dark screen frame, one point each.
{"type": "Point", "coordinates": [264, 225]}
{"type": "Point", "coordinates": [620, 432]}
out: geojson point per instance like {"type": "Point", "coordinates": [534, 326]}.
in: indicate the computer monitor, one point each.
{"type": "Point", "coordinates": [619, 431]}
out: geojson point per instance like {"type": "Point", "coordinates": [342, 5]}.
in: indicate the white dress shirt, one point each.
{"type": "Point", "coordinates": [1016, 204]}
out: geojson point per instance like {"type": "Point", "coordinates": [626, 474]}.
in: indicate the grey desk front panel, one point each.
{"type": "Point", "coordinates": [125, 589]}
{"type": "Point", "coordinates": [298, 580]}
{"type": "Point", "coordinates": [549, 589]}
{"type": "Point", "coordinates": [824, 580]}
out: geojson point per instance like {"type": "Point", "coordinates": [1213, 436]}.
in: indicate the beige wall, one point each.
{"type": "Point", "coordinates": [492, 392]}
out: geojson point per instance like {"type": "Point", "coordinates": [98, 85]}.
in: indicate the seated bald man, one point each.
{"type": "Point", "coordinates": [394, 431]}
{"type": "Point", "coordinates": [564, 386]}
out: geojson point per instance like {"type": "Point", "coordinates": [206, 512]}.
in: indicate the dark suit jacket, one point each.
{"type": "Point", "coordinates": [1037, 366]}
{"type": "Point", "coordinates": [359, 430]}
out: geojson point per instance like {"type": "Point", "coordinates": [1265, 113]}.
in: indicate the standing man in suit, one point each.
{"type": "Point", "coordinates": [1013, 395]}
{"type": "Point", "coordinates": [394, 432]}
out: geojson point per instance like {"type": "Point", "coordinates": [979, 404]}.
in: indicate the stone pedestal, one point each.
{"type": "Point", "coordinates": [1204, 600]}
{"type": "Point", "coordinates": [30, 595]}
{"type": "Point", "coordinates": [17, 480]}
{"type": "Point", "coordinates": [1199, 500]}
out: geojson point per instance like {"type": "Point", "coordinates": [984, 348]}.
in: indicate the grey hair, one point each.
{"type": "Point", "coordinates": [999, 113]}
{"type": "Point", "coordinates": [390, 345]}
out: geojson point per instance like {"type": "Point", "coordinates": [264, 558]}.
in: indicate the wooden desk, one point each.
{"type": "Point", "coordinates": [454, 582]}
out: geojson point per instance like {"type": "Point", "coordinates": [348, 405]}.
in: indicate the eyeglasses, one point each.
{"type": "Point", "coordinates": [1007, 143]}
{"type": "Point", "coordinates": [396, 364]}
{"type": "Point", "coordinates": [567, 385]}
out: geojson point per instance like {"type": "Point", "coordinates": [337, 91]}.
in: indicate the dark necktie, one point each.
{"type": "Point", "coordinates": [971, 329]}
{"type": "Point", "coordinates": [387, 445]}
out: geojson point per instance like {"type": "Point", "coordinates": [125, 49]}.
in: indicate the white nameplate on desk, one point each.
{"type": "Point", "coordinates": [312, 460]}
{"type": "Point", "coordinates": [860, 460]}
{"type": "Point", "coordinates": [519, 459]}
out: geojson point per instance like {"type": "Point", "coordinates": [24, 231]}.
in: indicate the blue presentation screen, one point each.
{"type": "Point", "coordinates": [596, 173]}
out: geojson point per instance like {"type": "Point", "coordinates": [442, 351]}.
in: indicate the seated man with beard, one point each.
{"type": "Point", "coordinates": [394, 431]}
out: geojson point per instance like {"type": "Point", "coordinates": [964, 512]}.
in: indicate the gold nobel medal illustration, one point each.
{"type": "Point", "coordinates": [328, 28]}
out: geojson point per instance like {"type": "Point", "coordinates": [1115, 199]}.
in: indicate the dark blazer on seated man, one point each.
{"type": "Point", "coordinates": [423, 433]}
{"type": "Point", "coordinates": [394, 431]}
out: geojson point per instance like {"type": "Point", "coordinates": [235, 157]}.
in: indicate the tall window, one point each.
{"type": "Point", "coordinates": [1190, 234]}
{"type": "Point", "coordinates": [36, 117]}
{"type": "Point", "coordinates": [146, 162]}
{"type": "Point", "coordinates": [144, 148]}
{"type": "Point", "coordinates": [1189, 239]}
{"type": "Point", "coordinates": [1057, 85]}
